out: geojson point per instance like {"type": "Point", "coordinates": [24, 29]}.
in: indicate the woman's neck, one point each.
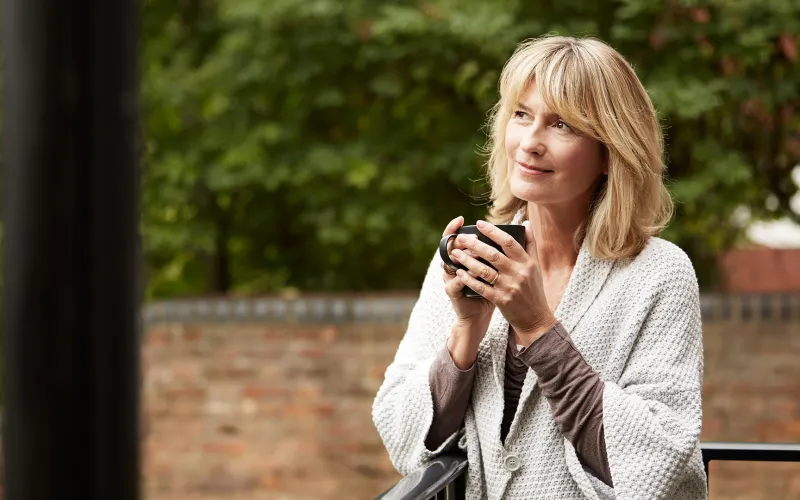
{"type": "Point", "coordinates": [554, 228]}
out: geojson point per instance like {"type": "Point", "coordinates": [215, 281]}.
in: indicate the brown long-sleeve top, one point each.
{"type": "Point", "coordinates": [573, 389]}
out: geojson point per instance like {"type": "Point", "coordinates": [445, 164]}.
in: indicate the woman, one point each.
{"type": "Point", "coordinates": [579, 373]}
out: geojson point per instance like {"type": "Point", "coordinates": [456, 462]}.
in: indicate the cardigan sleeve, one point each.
{"type": "Point", "coordinates": [403, 407]}
{"type": "Point", "coordinates": [652, 413]}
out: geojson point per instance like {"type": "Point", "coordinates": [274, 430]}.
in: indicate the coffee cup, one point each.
{"type": "Point", "coordinates": [517, 231]}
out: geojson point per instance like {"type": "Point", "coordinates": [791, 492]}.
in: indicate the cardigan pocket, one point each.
{"type": "Point", "coordinates": [582, 477]}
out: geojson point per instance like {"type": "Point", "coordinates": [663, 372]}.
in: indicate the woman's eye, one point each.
{"type": "Point", "coordinates": [520, 114]}
{"type": "Point", "coordinates": [561, 124]}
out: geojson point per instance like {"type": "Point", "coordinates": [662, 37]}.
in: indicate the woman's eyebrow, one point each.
{"type": "Point", "coordinates": [547, 113]}
{"type": "Point", "coordinates": [524, 108]}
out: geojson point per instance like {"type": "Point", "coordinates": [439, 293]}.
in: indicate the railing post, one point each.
{"type": "Point", "coordinates": [71, 413]}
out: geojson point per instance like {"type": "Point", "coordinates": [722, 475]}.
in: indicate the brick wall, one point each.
{"type": "Point", "coordinates": [264, 411]}
{"type": "Point", "coordinates": [760, 269]}
{"type": "Point", "coordinates": [751, 392]}
{"type": "Point", "coordinates": [281, 410]}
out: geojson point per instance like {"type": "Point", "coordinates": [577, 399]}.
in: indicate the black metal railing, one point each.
{"type": "Point", "coordinates": [749, 452]}
{"type": "Point", "coordinates": [443, 478]}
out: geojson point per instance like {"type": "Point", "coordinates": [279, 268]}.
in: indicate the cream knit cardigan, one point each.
{"type": "Point", "coordinates": [636, 322]}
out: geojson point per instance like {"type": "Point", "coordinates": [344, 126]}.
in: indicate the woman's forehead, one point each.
{"type": "Point", "coordinates": [531, 100]}
{"type": "Point", "coordinates": [557, 97]}
{"type": "Point", "coordinates": [539, 101]}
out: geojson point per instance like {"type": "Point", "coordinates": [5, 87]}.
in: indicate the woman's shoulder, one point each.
{"type": "Point", "coordinates": [662, 261]}
{"type": "Point", "coordinates": [659, 250]}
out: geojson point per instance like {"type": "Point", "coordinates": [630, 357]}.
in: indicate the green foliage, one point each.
{"type": "Point", "coordinates": [323, 145]}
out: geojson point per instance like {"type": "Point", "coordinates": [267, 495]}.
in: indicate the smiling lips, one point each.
{"type": "Point", "coordinates": [531, 170]}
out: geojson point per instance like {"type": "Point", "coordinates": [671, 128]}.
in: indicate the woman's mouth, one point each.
{"type": "Point", "coordinates": [531, 170]}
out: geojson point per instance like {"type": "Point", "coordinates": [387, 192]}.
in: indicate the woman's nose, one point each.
{"type": "Point", "coordinates": [532, 142]}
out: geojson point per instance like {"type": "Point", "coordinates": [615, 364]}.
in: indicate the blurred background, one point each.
{"type": "Point", "coordinates": [302, 157]}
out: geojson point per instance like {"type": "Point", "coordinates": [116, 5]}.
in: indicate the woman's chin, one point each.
{"type": "Point", "coordinates": [525, 191]}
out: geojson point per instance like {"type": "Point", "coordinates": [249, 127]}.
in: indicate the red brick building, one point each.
{"type": "Point", "coordinates": [760, 270]}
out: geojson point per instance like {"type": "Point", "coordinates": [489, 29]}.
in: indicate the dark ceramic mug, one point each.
{"type": "Point", "coordinates": [517, 231]}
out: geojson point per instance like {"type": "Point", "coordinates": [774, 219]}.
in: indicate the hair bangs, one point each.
{"type": "Point", "coordinates": [565, 87]}
{"type": "Point", "coordinates": [518, 75]}
{"type": "Point", "coordinates": [561, 77]}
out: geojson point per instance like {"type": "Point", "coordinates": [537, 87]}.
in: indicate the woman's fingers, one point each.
{"type": "Point", "coordinates": [453, 286]}
{"type": "Point", "coordinates": [477, 248]}
{"type": "Point", "coordinates": [457, 245]}
{"type": "Point", "coordinates": [487, 292]}
{"type": "Point", "coordinates": [453, 225]}
{"type": "Point", "coordinates": [511, 248]}
{"type": "Point", "coordinates": [474, 266]}
{"type": "Point", "coordinates": [451, 228]}
{"type": "Point", "coordinates": [530, 245]}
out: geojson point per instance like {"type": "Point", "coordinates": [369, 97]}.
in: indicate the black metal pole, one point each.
{"type": "Point", "coordinates": [70, 220]}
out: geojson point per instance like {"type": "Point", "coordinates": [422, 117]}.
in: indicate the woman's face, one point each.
{"type": "Point", "coordinates": [548, 162]}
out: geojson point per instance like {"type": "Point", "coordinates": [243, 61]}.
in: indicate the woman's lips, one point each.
{"type": "Point", "coordinates": [531, 170]}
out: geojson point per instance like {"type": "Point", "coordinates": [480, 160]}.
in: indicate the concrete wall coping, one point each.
{"type": "Point", "coordinates": [395, 308]}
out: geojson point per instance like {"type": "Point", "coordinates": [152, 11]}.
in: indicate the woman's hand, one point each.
{"type": "Point", "coordinates": [473, 315]}
{"type": "Point", "coordinates": [518, 291]}
{"type": "Point", "coordinates": [470, 312]}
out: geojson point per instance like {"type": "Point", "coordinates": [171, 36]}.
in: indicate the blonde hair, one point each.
{"type": "Point", "coordinates": [594, 89]}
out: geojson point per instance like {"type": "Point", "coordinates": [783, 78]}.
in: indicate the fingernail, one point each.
{"type": "Point", "coordinates": [482, 223]}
